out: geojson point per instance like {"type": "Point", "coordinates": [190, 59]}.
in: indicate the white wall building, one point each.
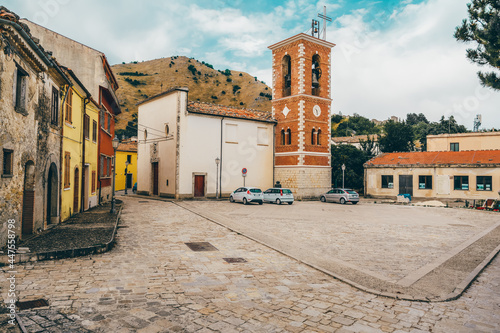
{"type": "Point", "coordinates": [180, 140]}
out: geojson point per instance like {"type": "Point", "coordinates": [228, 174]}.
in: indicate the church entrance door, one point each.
{"type": "Point", "coordinates": [199, 186]}
{"type": "Point", "coordinates": [155, 178]}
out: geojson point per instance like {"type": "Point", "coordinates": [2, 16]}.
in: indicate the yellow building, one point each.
{"type": "Point", "coordinates": [126, 152]}
{"type": "Point", "coordinates": [91, 142]}
{"type": "Point", "coordinates": [72, 147]}
{"type": "Point", "coordinates": [463, 141]}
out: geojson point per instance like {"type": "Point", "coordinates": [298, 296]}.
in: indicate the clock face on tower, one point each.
{"type": "Point", "coordinates": [316, 110]}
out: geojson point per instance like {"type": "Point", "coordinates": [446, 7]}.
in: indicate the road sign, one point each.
{"type": "Point", "coordinates": [244, 171]}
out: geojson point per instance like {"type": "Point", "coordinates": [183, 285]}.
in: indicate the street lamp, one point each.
{"type": "Point", "coordinates": [115, 143]}
{"type": "Point", "coordinates": [343, 169]}
{"type": "Point", "coordinates": [217, 162]}
{"type": "Point", "coordinates": [126, 172]}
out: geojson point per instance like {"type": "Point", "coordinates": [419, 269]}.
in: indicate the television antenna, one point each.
{"type": "Point", "coordinates": [477, 122]}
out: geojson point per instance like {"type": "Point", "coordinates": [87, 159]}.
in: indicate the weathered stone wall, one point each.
{"type": "Point", "coordinates": [305, 182]}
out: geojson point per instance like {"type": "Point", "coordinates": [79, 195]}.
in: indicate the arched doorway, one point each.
{"type": "Point", "coordinates": [28, 198]}
{"type": "Point", "coordinates": [52, 193]}
{"type": "Point", "coordinates": [76, 190]}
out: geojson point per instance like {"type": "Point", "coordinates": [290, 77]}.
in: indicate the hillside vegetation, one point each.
{"type": "Point", "coordinates": [141, 80]}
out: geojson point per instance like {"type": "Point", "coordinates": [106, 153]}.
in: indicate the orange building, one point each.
{"type": "Point", "coordinates": [302, 108]}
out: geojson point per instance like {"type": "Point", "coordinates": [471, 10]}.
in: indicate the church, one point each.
{"type": "Point", "coordinates": [190, 149]}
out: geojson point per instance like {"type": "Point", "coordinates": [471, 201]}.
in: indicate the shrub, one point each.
{"type": "Point", "coordinates": [214, 97]}
{"type": "Point", "coordinates": [236, 88]}
{"type": "Point", "coordinates": [229, 79]}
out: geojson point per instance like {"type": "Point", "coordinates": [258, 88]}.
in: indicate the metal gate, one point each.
{"type": "Point", "coordinates": [406, 184]}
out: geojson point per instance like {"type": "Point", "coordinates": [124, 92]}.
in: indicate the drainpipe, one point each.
{"type": "Point", "coordinates": [220, 171]}
{"type": "Point", "coordinates": [274, 150]}
{"type": "Point", "coordinates": [82, 195]}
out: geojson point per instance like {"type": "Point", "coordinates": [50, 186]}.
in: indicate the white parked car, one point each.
{"type": "Point", "coordinates": [341, 195]}
{"type": "Point", "coordinates": [278, 195]}
{"type": "Point", "coordinates": [247, 195]}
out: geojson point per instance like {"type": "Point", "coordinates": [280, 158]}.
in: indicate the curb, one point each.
{"type": "Point", "coordinates": [457, 292]}
{"type": "Point", "coordinates": [63, 254]}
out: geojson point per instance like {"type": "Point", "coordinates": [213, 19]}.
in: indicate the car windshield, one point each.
{"type": "Point", "coordinates": [350, 191]}
{"type": "Point", "coordinates": [286, 191]}
{"type": "Point", "coordinates": [255, 190]}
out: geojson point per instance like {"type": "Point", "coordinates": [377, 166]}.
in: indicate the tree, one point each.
{"type": "Point", "coordinates": [398, 137]}
{"type": "Point", "coordinates": [355, 125]}
{"type": "Point", "coordinates": [414, 119]}
{"type": "Point", "coordinates": [368, 146]}
{"type": "Point", "coordinates": [483, 27]}
{"type": "Point", "coordinates": [353, 159]}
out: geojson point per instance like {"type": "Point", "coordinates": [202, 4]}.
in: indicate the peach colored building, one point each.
{"type": "Point", "coordinates": [463, 141]}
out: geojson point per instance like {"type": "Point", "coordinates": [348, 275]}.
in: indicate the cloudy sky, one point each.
{"type": "Point", "coordinates": [392, 57]}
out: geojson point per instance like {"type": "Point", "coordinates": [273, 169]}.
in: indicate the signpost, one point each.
{"type": "Point", "coordinates": [244, 174]}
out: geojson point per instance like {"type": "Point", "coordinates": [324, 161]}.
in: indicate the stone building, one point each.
{"type": "Point", "coordinates": [94, 72]}
{"type": "Point", "coordinates": [302, 107]}
{"type": "Point", "coordinates": [180, 141]}
{"type": "Point", "coordinates": [32, 88]}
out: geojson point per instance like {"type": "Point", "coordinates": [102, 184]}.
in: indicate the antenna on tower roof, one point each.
{"type": "Point", "coordinates": [477, 122]}
{"type": "Point", "coordinates": [325, 18]}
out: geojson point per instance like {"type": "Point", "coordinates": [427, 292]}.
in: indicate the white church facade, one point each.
{"type": "Point", "coordinates": [191, 149]}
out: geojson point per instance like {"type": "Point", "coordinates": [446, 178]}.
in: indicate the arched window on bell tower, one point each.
{"type": "Point", "coordinates": [316, 74]}
{"type": "Point", "coordinates": [318, 140]}
{"type": "Point", "coordinates": [289, 139]}
{"type": "Point", "coordinates": [313, 137]}
{"type": "Point", "coordinates": [287, 75]}
{"type": "Point", "coordinates": [283, 137]}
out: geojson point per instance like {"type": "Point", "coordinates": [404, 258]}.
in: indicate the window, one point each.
{"type": "Point", "coordinates": [262, 136]}
{"type": "Point", "coordinates": [54, 108]}
{"type": "Point", "coordinates": [167, 130]}
{"type": "Point", "coordinates": [425, 182]}
{"type": "Point", "coordinates": [283, 139]}
{"type": "Point", "coordinates": [20, 89]}
{"type": "Point", "coordinates": [313, 137]}
{"type": "Point", "coordinates": [318, 140]}
{"type": "Point", "coordinates": [387, 181]}
{"type": "Point", "coordinates": [103, 119]}
{"type": "Point", "coordinates": [86, 126]}
{"type": "Point", "coordinates": [231, 133]}
{"type": "Point", "coordinates": [109, 122]}
{"type": "Point", "coordinates": [316, 74]}
{"type": "Point", "coordinates": [93, 186]}
{"type": "Point", "coordinates": [94, 131]}
{"type": "Point", "coordinates": [67, 169]}
{"type": "Point", "coordinates": [483, 183]}
{"type": "Point", "coordinates": [8, 156]}
{"type": "Point", "coordinates": [145, 135]}
{"type": "Point", "coordinates": [287, 75]}
{"type": "Point", "coordinates": [454, 146]}
{"type": "Point", "coordinates": [461, 183]}
{"type": "Point", "coordinates": [289, 134]}
{"type": "Point", "coordinates": [109, 167]}
{"type": "Point", "coordinates": [129, 159]}
{"type": "Point", "coordinates": [69, 106]}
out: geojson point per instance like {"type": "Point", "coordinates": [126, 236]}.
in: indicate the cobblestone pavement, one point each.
{"type": "Point", "coordinates": [152, 282]}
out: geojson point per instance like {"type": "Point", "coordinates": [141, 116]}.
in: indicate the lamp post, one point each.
{"type": "Point", "coordinates": [115, 142]}
{"type": "Point", "coordinates": [343, 169]}
{"type": "Point", "coordinates": [126, 172]}
{"type": "Point", "coordinates": [217, 162]}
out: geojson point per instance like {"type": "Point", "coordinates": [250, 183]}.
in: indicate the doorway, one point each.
{"type": "Point", "coordinates": [76, 189]}
{"type": "Point", "coordinates": [406, 184]}
{"type": "Point", "coordinates": [128, 183]}
{"type": "Point", "coordinates": [155, 178]}
{"type": "Point", "coordinates": [52, 193]}
{"type": "Point", "coordinates": [199, 186]}
{"type": "Point", "coordinates": [86, 178]}
{"type": "Point", "coordinates": [28, 199]}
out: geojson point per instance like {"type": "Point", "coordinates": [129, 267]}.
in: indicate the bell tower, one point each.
{"type": "Point", "coordinates": [301, 105]}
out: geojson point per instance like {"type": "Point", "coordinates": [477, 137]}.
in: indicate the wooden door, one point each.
{"type": "Point", "coordinates": [406, 184]}
{"type": "Point", "coordinates": [75, 191]}
{"type": "Point", "coordinates": [129, 180]}
{"type": "Point", "coordinates": [199, 186]}
{"type": "Point", "coordinates": [28, 211]}
{"type": "Point", "coordinates": [155, 178]}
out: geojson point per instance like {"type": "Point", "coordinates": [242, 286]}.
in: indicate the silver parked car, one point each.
{"type": "Point", "coordinates": [278, 195]}
{"type": "Point", "coordinates": [342, 195]}
{"type": "Point", "coordinates": [247, 195]}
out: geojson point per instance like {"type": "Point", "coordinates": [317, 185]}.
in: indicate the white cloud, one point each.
{"type": "Point", "coordinates": [414, 65]}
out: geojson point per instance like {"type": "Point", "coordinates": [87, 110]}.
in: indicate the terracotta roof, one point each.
{"type": "Point", "coordinates": [130, 146]}
{"type": "Point", "coordinates": [354, 139]}
{"type": "Point", "coordinates": [231, 112]}
{"type": "Point", "coordinates": [475, 157]}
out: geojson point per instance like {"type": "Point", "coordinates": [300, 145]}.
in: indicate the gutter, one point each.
{"type": "Point", "coordinates": [220, 170]}
{"type": "Point", "coordinates": [82, 199]}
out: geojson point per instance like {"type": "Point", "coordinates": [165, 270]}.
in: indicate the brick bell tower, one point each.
{"type": "Point", "coordinates": [301, 105]}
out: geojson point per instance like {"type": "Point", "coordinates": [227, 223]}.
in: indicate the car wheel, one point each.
{"type": "Point", "coordinates": [290, 202]}
{"type": "Point", "coordinates": [245, 201]}
{"type": "Point", "coordinates": [355, 202]}
{"type": "Point", "coordinates": [342, 201]}
{"type": "Point", "coordinates": [278, 201]}
{"type": "Point", "coordinates": [231, 199]}
{"type": "Point", "coordinates": [323, 199]}
{"type": "Point", "coordinates": [260, 202]}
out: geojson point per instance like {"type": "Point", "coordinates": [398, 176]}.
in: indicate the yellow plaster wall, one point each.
{"type": "Point", "coordinates": [121, 158]}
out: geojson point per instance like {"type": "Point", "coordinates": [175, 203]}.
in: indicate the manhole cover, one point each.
{"type": "Point", "coordinates": [234, 260]}
{"type": "Point", "coordinates": [201, 246]}
{"type": "Point", "coordinates": [32, 304]}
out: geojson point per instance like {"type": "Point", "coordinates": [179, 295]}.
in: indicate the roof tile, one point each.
{"type": "Point", "coordinates": [437, 158]}
{"type": "Point", "coordinates": [227, 111]}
